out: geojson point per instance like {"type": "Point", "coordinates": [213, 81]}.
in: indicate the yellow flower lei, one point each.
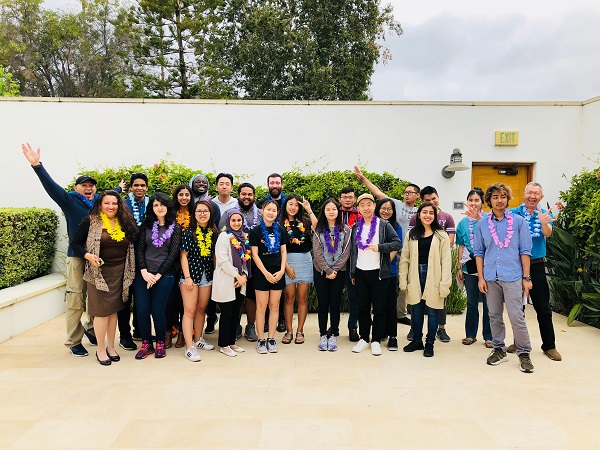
{"type": "Point", "coordinates": [116, 234]}
{"type": "Point", "coordinates": [204, 241]}
{"type": "Point", "coordinates": [183, 219]}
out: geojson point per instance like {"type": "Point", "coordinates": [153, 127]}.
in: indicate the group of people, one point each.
{"type": "Point", "coordinates": [175, 257]}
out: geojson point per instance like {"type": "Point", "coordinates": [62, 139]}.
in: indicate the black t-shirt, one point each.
{"type": "Point", "coordinates": [424, 246]}
{"type": "Point", "coordinates": [296, 244]}
{"type": "Point", "coordinates": [269, 260]}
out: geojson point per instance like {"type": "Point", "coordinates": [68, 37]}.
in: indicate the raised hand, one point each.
{"type": "Point", "coordinates": [33, 156]}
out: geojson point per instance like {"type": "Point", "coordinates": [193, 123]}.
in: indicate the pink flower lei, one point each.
{"type": "Point", "coordinates": [372, 229]}
{"type": "Point", "coordinates": [157, 241]}
{"type": "Point", "coordinates": [509, 229]}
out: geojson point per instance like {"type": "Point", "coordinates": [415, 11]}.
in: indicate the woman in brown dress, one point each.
{"type": "Point", "coordinates": [105, 241]}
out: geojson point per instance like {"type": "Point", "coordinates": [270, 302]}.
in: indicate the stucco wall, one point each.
{"type": "Point", "coordinates": [412, 140]}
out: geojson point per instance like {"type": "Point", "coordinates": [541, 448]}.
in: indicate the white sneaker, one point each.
{"type": "Point", "coordinates": [237, 348]}
{"type": "Point", "coordinates": [271, 345]}
{"type": "Point", "coordinates": [375, 349]}
{"type": "Point", "coordinates": [203, 345]}
{"type": "Point", "coordinates": [261, 346]}
{"type": "Point", "coordinates": [227, 351]}
{"type": "Point", "coordinates": [361, 346]}
{"type": "Point", "coordinates": [192, 354]}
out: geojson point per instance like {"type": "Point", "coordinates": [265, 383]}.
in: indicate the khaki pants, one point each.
{"type": "Point", "coordinates": [401, 305]}
{"type": "Point", "coordinates": [75, 302]}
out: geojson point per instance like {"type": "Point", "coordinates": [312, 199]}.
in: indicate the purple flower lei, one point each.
{"type": "Point", "coordinates": [372, 229]}
{"type": "Point", "coordinates": [267, 241]}
{"type": "Point", "coordinates": [157, 241]}
{"type": "Point", "coordinates": [254, 213]}
{"type": "Point", "coordinates": [509, 229]}
{"type": "Point", "coordinates": [331, 249]}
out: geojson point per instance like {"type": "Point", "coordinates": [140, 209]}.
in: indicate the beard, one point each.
{"type": "Point", "coordinates": [275, 192]}
{"type": "Point", "coordinates": [243, 207]}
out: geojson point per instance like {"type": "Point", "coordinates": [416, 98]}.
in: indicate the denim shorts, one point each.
{"type": "Point", "coordinates": [203, 281]}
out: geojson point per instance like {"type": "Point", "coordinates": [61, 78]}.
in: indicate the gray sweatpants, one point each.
{"type": "Point", "coordinates": [502, 293]}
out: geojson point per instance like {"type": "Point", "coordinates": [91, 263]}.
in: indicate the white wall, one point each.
{"type": "Point", "coordinates": [412, 140]}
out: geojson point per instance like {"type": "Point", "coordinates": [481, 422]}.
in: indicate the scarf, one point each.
{"type": "Point", "coordinates": [204, 196]}
{"type": "Point", "coordinates": [240, 235]}
{"type": "Point", "coordinates": [88, 203]}
{"type": "Point", "coordinates": [92, 273]}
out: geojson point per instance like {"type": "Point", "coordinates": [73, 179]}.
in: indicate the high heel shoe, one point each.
{"type": "Point", "coordinates": [106, 362]}
{"type": "Point", "coordinates": [115, 358]}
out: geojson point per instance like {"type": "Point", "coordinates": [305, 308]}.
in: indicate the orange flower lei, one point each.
{"type": "Point", "coordinates": [183, 219]}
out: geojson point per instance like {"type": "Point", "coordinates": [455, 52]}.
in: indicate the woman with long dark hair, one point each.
{"type": "Point", "coordinates": [467, 270]}
{"type": "Point", "coordinates": [296, 220]}
{"type": "Point", "coordinates": [425, 275]}
{"type": "Point", "coordinates": [197, 266]}
{"type": "Point", "coordinates": [157, 250]}
{"type": "Point", "coordinates": [105, 240]}
{"type": "Point", "coordinates": [331, 248]}
{"type": "Point", "coordinates": [386, 209]}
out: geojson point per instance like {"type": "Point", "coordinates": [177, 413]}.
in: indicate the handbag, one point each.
{"type": "Point", "coordinates": [471, 265]}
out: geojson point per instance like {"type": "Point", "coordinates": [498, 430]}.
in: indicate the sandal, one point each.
{"type": "Point", "coordinates": [299, 337]}
{"type": "Point", "coordinates": [180, 340]}
{"type": "Point", "coordinates": [469, 341]}
{"type": "Point", "coordinates": [488, 344]}
{"type": "Point", "coordinates": [287, 338]}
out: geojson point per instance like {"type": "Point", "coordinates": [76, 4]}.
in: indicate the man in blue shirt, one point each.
{"type": "Point", "coordinates": [502, 249]}
{"type": "Point", "coordinates": [539, 222]}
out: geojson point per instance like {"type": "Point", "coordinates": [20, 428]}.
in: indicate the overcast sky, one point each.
{"type": "Point", "coordinates": [477, 50]}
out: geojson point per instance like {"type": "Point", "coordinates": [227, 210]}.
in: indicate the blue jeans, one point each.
{"type": "Point", "coordinates": [418, 314]}
{"type": "Point", "coordinates": [152, 301]}
{"type": "Point", "coordinates": [474, 296]}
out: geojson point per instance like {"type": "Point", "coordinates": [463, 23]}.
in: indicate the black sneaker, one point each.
{"type": "Point", "coordinates": [238, 333]}
{"type": "Point", "coordinates": [210, 324]}
{"type": "Point", "coordinates": [405, 321]}
{"type": "Point", "coordinates": [91, 338]}
{"type": "Point", "coordinates": [127, 344]}
{"type": "Point", "coordinates": [442, 335]}
{"type": "Point", "coordinates": [392, 344]}
{"type": "Point", "coordinates": [281, 327]}
{"type": "Point", "coordinates": [136, 336]}
{"type": "Point", "coordinates": [353, 334]}
{"type": "Point", "coordinates": [525, 363]}
{"type": "Point", "coordinates": [428, 352]}
{"type": "Point", "coordinates": [409, 336]}
{"type": "Point", "coordinates": [413, 346]}
{"type": "Point", "coordinates": [78, 350]}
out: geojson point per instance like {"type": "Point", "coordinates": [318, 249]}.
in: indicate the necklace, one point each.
{"type": "Point", "coordinates": [204, 241]}
{"type": "Point", "coordinates": [509, 229]}
{"type": "Point", "coordinates": [183, 219]}
{"type": "Point", "coordinates": [254, 213]}
{"type": "Point", "coordinates": [272, 246]}
{"type": "Point", "coordinates": [242, 249]}
{"type": "Point", "coordinates": [290, 232]}
{"type": "Point", "coordinates": [332, 242]}
{"type": "Point", "coordinates": [533, 221]}
{"type": "Point", "coordinates": [157, 241]}
{"type": "Point", "coordinates": [136, 209]}
{"type": "Point", "coordinates": [372, 229]}
{"type": "Point", "coordinates": [115, 233]}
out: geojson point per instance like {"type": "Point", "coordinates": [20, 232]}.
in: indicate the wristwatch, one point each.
{"type": "Point", "coordinates": [527, 278]}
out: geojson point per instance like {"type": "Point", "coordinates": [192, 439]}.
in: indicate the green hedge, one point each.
{"type": "Point", "coordinates": [27, 238]}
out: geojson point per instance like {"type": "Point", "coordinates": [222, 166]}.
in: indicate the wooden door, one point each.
{"type": "Point", "coordinates": [515, 175]}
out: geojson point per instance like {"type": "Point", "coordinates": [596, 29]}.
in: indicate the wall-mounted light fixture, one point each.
{"type": "Point", "coordinates": [455, 165]}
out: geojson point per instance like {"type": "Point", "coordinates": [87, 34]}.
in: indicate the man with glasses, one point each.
{"type": "Point", "coordinates": [405, 210]}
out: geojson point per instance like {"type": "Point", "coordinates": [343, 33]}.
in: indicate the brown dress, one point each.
{"type": "Point", "coordinates": [104, 304]}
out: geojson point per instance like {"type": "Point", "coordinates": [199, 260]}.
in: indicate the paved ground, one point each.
{"type": "Point", "coordinates": [300, 397]}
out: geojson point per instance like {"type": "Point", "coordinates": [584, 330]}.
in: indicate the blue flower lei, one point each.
{"type": "Point", "coordinates": [535, 228]}
{"type": "Point", "coordinates": [267, 241]}
{"type": "Point", "coordinates": [88, 203]}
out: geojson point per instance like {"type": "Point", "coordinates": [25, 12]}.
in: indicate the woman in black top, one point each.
{"type": "Point", "coordinates": [157, 250]}
{"type": "Point", "coordinates": [268, 243]}
{"type": "Point", "coordinates": [297, 220]}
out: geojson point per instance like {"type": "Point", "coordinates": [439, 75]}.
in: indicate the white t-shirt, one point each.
{"type": "Point", "coordinates": [403, 214]}
{"type": "Point", "coordinates": [368, 259]}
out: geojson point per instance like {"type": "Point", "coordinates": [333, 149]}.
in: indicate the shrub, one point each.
{"type": "Point", "coordinates": [456, 302]}
{"type": "Point", "coordinates": [27, 238]}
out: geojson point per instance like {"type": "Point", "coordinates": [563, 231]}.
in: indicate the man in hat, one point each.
{"type": "Point", "coordinates": [75, 205]}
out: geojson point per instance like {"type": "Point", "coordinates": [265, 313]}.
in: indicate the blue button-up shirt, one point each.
{"type": "Point", "coordinates": [503, 264]}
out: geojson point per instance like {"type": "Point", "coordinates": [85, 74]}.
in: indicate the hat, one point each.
{"type": "Point", "coordinates": [365, 196]}
{"type": "Point", "coordinates": [85, 178]}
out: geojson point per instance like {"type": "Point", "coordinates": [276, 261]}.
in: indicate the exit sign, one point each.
{"type": "Point", "coordinates": [507, 138]}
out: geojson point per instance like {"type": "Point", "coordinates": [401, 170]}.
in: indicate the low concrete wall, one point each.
{"type": "Point", "coordinates": [30, 304]}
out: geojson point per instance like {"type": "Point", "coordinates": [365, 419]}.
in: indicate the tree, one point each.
{"type": "Point", "coordinates": [304, 49]}
{"type": "Point", "coordinates": [70, 54]}
{"type": "Point", "coordinates": [173, 50]}
{"type": "Point", "coordinates": [8, 87]}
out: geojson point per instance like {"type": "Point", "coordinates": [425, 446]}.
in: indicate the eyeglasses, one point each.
{"type": "Point", "coordinates": [409, 192]}
{"type": "Point", "coordinates": [203, 212]}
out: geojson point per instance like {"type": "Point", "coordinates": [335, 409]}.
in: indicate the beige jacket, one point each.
{"type": "Point", "coordinates": [439, 271]}
{"type": "Point", "coordinates": [223, 289]}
